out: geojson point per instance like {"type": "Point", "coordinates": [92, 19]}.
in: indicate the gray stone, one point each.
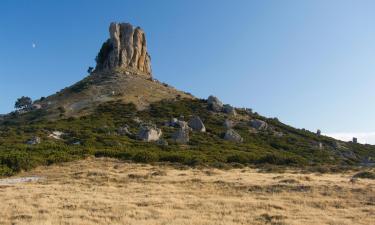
{"type": "Point", "coordinates": [318, 132]}
{"type": "Point", "coordinates": [162, 142]}
{"type": "Point", "coordinates": [258, 124]}
{"type": "Point", "coordinates": [126, 48]}
{"type": "Point", "coordinates": [181, 136]}
{"type": "Point", "coordinates": [34, 141]}
{"type": "Point", "coordinates": [214, 104]}
{"type": "Point", "coordinates": [232, 135]}
{"type": "Point", "coordinates": [229, 110]}
{"type": "Point", "coordinates": [196, 124]}
{"type": "Point", "coordinates": [56, 135]}
{"type": "Point", "coordinates": [355, 140]}
{"type": "Point", "coordinates": [149, 133]}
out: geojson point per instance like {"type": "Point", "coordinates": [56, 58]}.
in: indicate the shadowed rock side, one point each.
{"type": "Point", "coordinates": [126, 48]}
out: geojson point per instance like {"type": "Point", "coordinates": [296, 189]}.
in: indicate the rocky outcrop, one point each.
{"type": "Point", "coordinates": [232, 135]}
{"type": "Point", "coordinates": [196, 124]}
{"type": "Point", "coordinates": [149, 133]}
{"type": "Point", "coordinates": [126, 48]}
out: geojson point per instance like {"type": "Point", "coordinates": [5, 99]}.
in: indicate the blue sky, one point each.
{"type": "Point", "coordinates": [310, 63]}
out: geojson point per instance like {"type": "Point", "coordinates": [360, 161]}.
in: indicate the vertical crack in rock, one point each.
{"type": "Point", "coordinates": [126, 49]}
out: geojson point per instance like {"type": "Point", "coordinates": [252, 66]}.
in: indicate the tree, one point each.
{"type": "Point", "coordinates": [23, 103]}
{"type": "Point", "coordinates": [90, 69]}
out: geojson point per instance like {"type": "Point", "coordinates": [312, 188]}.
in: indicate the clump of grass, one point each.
{"type": "Point", "coordinates": [365, 175]}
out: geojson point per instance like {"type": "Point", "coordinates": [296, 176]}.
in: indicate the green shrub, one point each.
{"type": "Point", "coordinates": [365, 174]}
{"type": "Point", "coordinates": [145, 157]}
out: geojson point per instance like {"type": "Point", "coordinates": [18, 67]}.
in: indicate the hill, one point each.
{"type": "Point", "coordinates": [119, 110]}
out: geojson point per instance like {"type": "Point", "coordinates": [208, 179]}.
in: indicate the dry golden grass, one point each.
{"type": "Point", "coordinates": [107, 191]}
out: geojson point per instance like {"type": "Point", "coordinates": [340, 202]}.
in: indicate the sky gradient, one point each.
{"type": "Point", "coordinates": [310, 63]}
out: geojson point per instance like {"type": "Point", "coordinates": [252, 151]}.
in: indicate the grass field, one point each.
{"type": "Point", "coordinates": [109, 191]}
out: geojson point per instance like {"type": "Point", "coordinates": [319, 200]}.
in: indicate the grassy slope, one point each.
{"type": "Point", "coordinates": [98, 136]}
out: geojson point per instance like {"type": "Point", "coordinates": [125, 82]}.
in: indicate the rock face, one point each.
{"type": "Point", "coordinates": [149, 133]}
{"type": "Point", "coordinates": [126, 48]}
{"type": "Point", "coordinates": [181, 136]}
{"type": "Point", "coordinates": [196, 124]}
{"type": "Point", "coordinates": [232, 135]}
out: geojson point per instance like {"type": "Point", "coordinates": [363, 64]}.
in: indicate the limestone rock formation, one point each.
{"type": "Point", "coordinates": [126, 48]}
{"type": "Point", "coordinates": [196, 124]}
{"type": "Point", "coordinates": [232, 135]}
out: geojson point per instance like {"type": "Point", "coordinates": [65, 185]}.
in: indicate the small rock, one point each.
{"type": "Point", "coordinates": [124, 130]}
{"type": "Point", "coordinates": [162, 142]}
{"type": "Point", "coordinates": [232, 135]}
{"type": "Point", "coordinates": [137, 120]}
{"type": "Point", "coordinates": [196, 124]}
{"type": "Point", "coordinates": [258, 124]}
{"type": "Point", "coordinates": [56, 135]}
{"type": "Point", "coordinates": [34, 141]}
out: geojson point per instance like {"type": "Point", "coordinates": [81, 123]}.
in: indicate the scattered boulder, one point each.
{"type": "Point", "coordinates": [318, 132]}
{"type": "Point", "coordinates": [178, 123]}
{"type": "Point", "coordinates": [355, 140]}
{"type": "Point", "coordinates": [232, 135]}
{"type": "Point", "coordinates": [124, 130]}
{"type": "Point", "coordinates": [196, 124]}
{"type": "Point", "coordinates": [258, 124]}
{"type": "Point", "coordinates": [34, 141]}
{"type": "Point", "coordinates": [214, 104]}
{"type": "Point", "coordinates": [229, 110]}
{"type": "Point", "coordinates": [149, 133]}
{"type": "Point", "coordinates": [181, 136]}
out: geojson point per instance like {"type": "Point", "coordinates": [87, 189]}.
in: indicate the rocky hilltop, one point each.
{"type": "Point", "coordinates": [119, 110]}
{"type": "Point", "coordinates": [126, 49]}
{"type": "Point", "coordinates": [123, 73]}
